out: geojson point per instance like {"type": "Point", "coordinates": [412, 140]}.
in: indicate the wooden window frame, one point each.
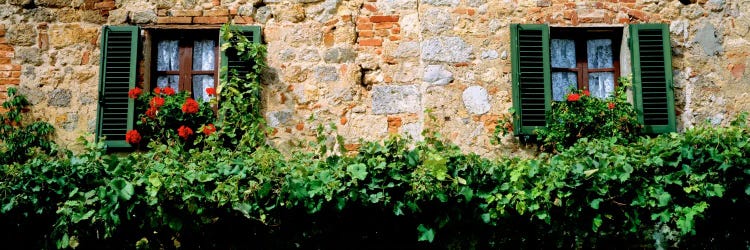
{"type": "Point", "coordinates": [186, 40]}
{"type": "Point", "coordinates": [580, 36]}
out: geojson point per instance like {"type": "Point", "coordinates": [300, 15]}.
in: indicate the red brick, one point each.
{"type": "Point", "coordinates": [210, 19]}
{"type": "Point", "coordinates": [4, 60]}
{"type": "Point", "coordinates": [106, 5]}
{"type": "Point", "coordinates": [5, 47]}
{"type": "Point", "coordinates": [174, 19]}
{"type": "Point", "coordinates": [331, 22]}
{"type": "Point", "coordinates": [380, 26]}
{"type": "Point", "coordinates": [396, 30]}
{"type": "Point", "coordinates": [365, 26]}
{"type": "Point", "coordinates": [161, 12]}
{"type": "Point", "coordinates": [394, 123]}
{"type": "Point", "coordinates": [383, 19]}
{"type": "Point", "coordinates": [352, 147]}
{"type": "Point", "coordinates": [394, 38]}
{"type": "Point", "coordinates": [371, 42]}
{"type": "Point", "coordinates": [243, 20]}
{"type": "Point", "coordinates": [185, 13]}
{"type": "Point", "coordinates": [15, 73]}
{"type": "Point", "coordinates": [343, 120]}
{"type": "Point", "coordinates": [346, 18]}
{"type": "Point", "coordinates": [300, 126]}
{"type": "Point", "coordinates": [220, 12]}
{"type": "Point", "coordinates": [2, 32]}
{"type": "Point", "coordinates": [7, 54]}
{"type": "Point", "coordinates": [638, 14]}
{"type": "Point", "coordinates": [365, 33]}
{"type": "Point", "coordinates": [370, 7]}
{"type": "Point", "coordinates": [381, 33]}
{"type": "Point", "coordinates": [363, 19]}
{"type": "Point", "coordinates": [14, 81]}
{"type": "Point", "coordinates": [5, 74]}
{"type": "Point", "coordinates": [233, 11]}
{"type": "Point", "coordinates": [738, 70]}
{"type": "Point", "coordinates": [465, 11]}
{"type": "Point", "coordinates": [328, 39]}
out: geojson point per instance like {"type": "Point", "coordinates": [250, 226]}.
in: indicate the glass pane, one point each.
{"type": "Point", "coordinates": [562, 83]}
{"type": "Point", "coordinates": [167, 57]}
{"type": "Point", "coordinates": [601, 84]}
{"type": "Point", "coordinates": [170, 80]}
{"type": "Point", "coordinates": [599, 53]}
{"type": "Point", "coordinates": [563, 53]}
{"type": "Point", "coordinates": [203, 55]}
{"type": "Point", "coordinates": [200, 84]}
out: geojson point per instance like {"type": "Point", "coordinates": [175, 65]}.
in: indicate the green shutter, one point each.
{"type": "Point", "coordinates": [531, 76]}
{"type": "Point", "coordinates": [652, 77]}
{"type": "Point", "coordinates": [230, 60]}
{"type": "Point", "coordinates": [117, 68]}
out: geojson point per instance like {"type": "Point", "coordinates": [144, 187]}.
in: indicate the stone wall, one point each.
{"type": "Point", "coordinates": [372, 67]}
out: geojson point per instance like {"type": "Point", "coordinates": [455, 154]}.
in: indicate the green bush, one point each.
{"type": "Point", "coordinates": [18, 141]}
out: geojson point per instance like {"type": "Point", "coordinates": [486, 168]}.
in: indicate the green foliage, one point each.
{"type": "Point", "coordinates": [240, 95]}
{"type": "Point", "coordinates": [583, 116]}
{"type": "Point", "coordinates": [231, 191]}
{"type": "Point", "coordinates": [19, 142]}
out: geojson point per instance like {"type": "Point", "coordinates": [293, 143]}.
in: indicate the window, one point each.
{"type": "Point", "coordinates": [548, 62]}
{"type": "Point", "coordinates": [186, 60]}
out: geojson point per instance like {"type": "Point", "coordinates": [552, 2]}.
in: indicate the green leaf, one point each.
{"type": "Point", "coordinates": [124, 188]}
{"type": "Point", "coordinates": [357, 171]}
{"type": "Point", "coordinates": [590, 172]}
{"type": "Point", "coordinates": [595, 203]}
{"type": "Point", "coordinates": [596, 223]}
{"type": "Point", "coordinates": [486, 217]}
{"type": "Point", "coordinates": [437, 166]}
{"type": "Point", "coordinates": [425, 234]}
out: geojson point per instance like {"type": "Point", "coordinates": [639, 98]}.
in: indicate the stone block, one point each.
{"type": "Point", "coordinates": [452, 3]}
{"type": "Point", "coordinates": [339, 55]}
{"type": "Point", "coordinates": [59, 98]}
{"type": "Point", "coordinates": [53, 3]}
{"type": "Point", "coordinates": [489, 54]}
{"type": "Point", "coordinates": [294, 13]}
{"type": "Point", "coordinates": [118, 16]}
{"type": "Point", "coordinates": [263, 14]}
{"type": "Point", "coordinates": [326, 74]}
{"type": "Point", "coordinates": [278, 118]}
{"type": "Point", "coordinates": [476, 100]}
{"type": "Point", "coordinates": [436, 21]}
{"type": "Point", "coordinates": [62, 35]}
{"type": "Point", "coordinates": [446, 49]}
{"type": "Point", "coordinates": [391, 99]}
{"type": "Point", "coordinates": [437, 75]}
{"type": "Point", "coordinates": [143, 16]}
{"type": "Point", "coordinates": [407, 49]}
{"type": "Point", "coordinates": [706, 37]}
{"type": "Point", "coordinates": [21, 34]}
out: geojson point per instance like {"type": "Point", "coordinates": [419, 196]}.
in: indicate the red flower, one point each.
{"type": "Point", "coordinates": [586, 92]}
{"type": "Point", "coordinates": [611, 105]}
{"type": "Point", "coordinates": [209, 129]}
{"type": "Point", "coordinates": [133, 137]}
{"type": "Point", "coordinates": [168, 91]}
{"type": "Point", "coordinates": [135, 92]}
{"type": "Point", "coordinates": [157, 91]}
{"type": "Point", "coordinates": [184, 132]}
{"type": "Point", "coordinates": [157, 102]}
{"type": "Point", "coordinates": [151, 112]}
{"type": "Point", "coordinates": [211, 91]}
{"type": "Point", "coordinates": [190, 106]}
{"type": "Point", "coordinates": [573, 97]}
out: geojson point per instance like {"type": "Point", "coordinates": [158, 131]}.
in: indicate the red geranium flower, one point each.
{"type": "Point", "coordinates": [211, 91]}
{"type": "Point", "coordinates": [151, 112]}
{"type": "Point", "coordinates": [168, 91]}
{"type": "Point", "coordinates": [157, 91]}
{"type": "Point", "coordinates": [611, 105]}
{"type": "Point", "coordinates": [573, 97]}
{"type": "Point", "coordinates": [133, 137]}
{"type": "Point", "coordinates": [586, 92]}
{"type": "Point", "coordinates": [157, 102]}
{"type": "Point", "coordinates": [135, 92]}
{"type": "Point", "coordinates": [209, 129]}
{"type": "Point", "coordinates": [190, 106]}
{"type": "Point", "coordinates": [184, 132]}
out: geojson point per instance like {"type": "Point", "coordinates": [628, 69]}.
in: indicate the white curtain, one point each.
{"type": "Point", "coordinates": [204, 58]}
{"type": "Point", "coordinates": [599, 55]}
{"type": "Point", "coordinates": [167, 58]}
{"type": "Point", "coordinates": [563, 55]}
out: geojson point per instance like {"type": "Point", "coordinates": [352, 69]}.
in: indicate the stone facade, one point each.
{"type": "Point", "coordinates": [372, 66]}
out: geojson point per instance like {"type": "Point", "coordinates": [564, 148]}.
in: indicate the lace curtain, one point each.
{"type": "Point", "coordinates": [563, 55]}
{"type": "Point", "coordinates": [167, 59]}
{"type": "Point", "coordinates": [601, 84]}
{"type": "Point", "coordinates": [204, 58]}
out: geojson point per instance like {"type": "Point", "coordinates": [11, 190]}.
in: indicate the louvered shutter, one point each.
{"type": "Point", "coordinates": [652, 77]}
{"type": "Point", "coordinates": [229, 59]}
{"type": "Point", "coordinates": [531, 76]}
{"type": "Point", "coordinates": [119, 47]}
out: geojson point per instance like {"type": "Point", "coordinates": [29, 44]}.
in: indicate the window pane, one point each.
{"type": "Point", "coordinates": [167, 56]}
{"type": "Point", "coordinates": [170, 80]}
{"type": "Point", "coordinates": [203, 55]}
{"type": "Point", "coordinates": [601, 84]}
{"type": "Point", "coordinates": [200, 84]}
{"type": "Point", "coordinates": [563, 53]}
{"type": "Point", "coordinates": [562, 83]}
{"type": "Point", "coordinates": [599, 53]}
